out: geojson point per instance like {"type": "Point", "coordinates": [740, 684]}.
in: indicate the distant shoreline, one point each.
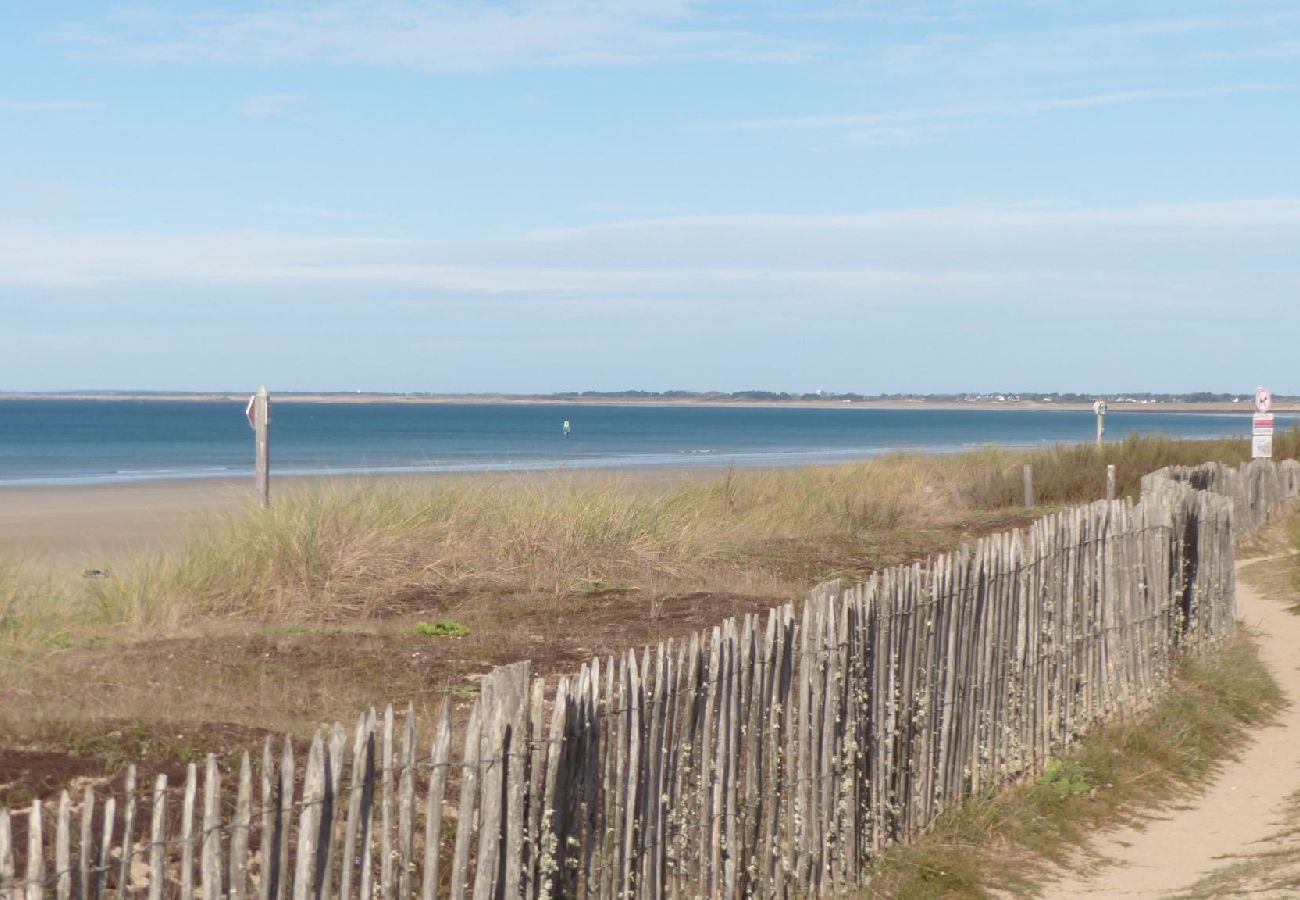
{"type": "Point", "coordinates": [1115, 406]}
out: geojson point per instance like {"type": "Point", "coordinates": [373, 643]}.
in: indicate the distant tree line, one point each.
{"type": "Point", "coordinates": [724, 396]}
{"type": "Point", "coordinates": [986, 396]}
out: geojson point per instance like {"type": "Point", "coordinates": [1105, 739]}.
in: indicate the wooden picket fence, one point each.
{"type": "Point", "coordinates": [766, 757]}
{"type": "Point", "coordinates": [1252, 487]}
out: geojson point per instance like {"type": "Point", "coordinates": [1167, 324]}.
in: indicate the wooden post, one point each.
{"type": "Point", "coordinates": [1110, 482]}
{"type": "Point", "coordinates": [1100, 409]}
{"type": "Point", "coordinates": [157, 838]}
{"type": "Point", "coordinates": [1029, 486]}
{"type": "Point", "coordinates": [63, 850]}
{"type": "Point", "coordinates": [260, 414]}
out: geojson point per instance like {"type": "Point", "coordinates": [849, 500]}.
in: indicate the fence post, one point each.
{"type": "Point", "coordinates": [260, 414]}
{"type": "Point", "coordinates": [1029, 486]}
{"type": "Point", "coordinates": [1110, 482]}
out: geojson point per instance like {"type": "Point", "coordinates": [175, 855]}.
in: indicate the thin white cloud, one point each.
{"type": "Point", "coordinates": [897, 135]}
{"type": "Point", "coordinates": [86, 260]}
{"type": "Point", "coordinates": [444, 37]}
{"type": "Point", "coordinates": [272, 106]}
{"type": "Point", "coordinates": [1172, 42]}
{"type": "Point", "coordinates": [314, 212]}
{"type": "Point", "coordinates": [48, 105]}
{"type": "Point", "coordinates": [916, 121]}
{"type": "Point", "coordinates": [1141, 29]}
{"type": "Point", "coordinates": [1235, 214]}
{"type": "Point", "coordinates": [1189, 253]}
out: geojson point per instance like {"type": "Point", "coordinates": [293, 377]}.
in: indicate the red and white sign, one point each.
{"type": "Point", "coordinates": [1261, 434]}
{"type": "Point", "coordinates": [251, 412]}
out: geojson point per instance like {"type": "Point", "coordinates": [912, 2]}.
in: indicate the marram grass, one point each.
{"type": "Point", "coordinates": [333, 552]}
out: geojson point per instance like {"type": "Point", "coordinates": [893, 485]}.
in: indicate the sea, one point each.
{"type": "Point", "coordinates": [76, 441]}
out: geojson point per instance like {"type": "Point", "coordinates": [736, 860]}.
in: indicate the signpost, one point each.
{"type": "Point", "coordinates": [1261, 440]}
{"type": "Point", "coordinates": [259, 417]}
{"type": "Point", "coordinates": [1100, 409]}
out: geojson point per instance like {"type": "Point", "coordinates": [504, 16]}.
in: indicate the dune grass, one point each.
{"type": "Point", "coordinates": [33, 610]}
{"type": "Point", "coordinates": [337, 552]}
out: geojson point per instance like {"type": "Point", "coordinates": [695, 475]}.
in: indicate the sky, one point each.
{"type": "Point", "coordinates": [538, 196]}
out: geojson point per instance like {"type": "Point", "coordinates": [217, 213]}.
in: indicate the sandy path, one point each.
{"type": "Point", "coordinates": [1241, 807]}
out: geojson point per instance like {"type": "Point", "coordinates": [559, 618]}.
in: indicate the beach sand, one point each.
{"type": "Point", "coordinates": [93, 526]}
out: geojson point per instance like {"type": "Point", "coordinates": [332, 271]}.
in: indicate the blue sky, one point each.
{"type": "Point", "coordinates": [540, 196]}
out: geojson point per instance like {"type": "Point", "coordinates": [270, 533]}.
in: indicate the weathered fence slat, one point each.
{"type": "Point", "coordinates": [439, 757]}
{"type": "Point", "coordinates": [63, 849]}
{"type": "Point", "coordinates": [35, 854]}
{"type": "Point", "coordinates": [533, 801]}
{"type": "Point", "coordinates": [366, 810]}
{"type": "Point", "coordinates": [240, 830]}
{"type": "Point", "coordinates": [211, 839]}
{"type": "Point", "coordinates": [353, 826]}
{"type": "Point", "coordinates": [105, 848]}
{"type": "Point", "coordinates": [267, 846]}
{"type": "Point", "coordinates": [466, 808]}
{"type": "Point", "coordinates": [517, 754]}
{"type": "Point", "coordinates": [6, 857]}
{"type": "Point", "coordinates": [157, 838]}
{"type": "Point", "coordinates": [406, 808]}
{"type": "Point", "coordinates": [330, 811]}
{"type": "Point", "coordinates": [386, 808]}
{"type": "Point", "coordinates": [284, 814]}
{"type": "Point", "coordinates": [85, 848]}
{"type": "Point", "coordinates": [128, 835]}
{"type": "Point", "coordinates": [308, 820]}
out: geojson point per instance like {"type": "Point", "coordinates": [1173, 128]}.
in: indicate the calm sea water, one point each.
{"type": "Point", "coordinates": [89, 441]}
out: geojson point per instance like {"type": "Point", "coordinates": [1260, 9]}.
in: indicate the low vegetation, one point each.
{"type": "Point", "coordinates": [441, 628]}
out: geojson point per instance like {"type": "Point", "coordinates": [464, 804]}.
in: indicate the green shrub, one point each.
{"type": "Point", "coordinates": [441, 628]}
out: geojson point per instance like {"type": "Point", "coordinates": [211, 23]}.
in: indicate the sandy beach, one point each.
{"type": "Point", "coordinates": [94, 525]}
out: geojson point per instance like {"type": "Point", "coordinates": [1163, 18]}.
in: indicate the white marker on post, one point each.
{"type": "Point", "coordinates": [259, 418]}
